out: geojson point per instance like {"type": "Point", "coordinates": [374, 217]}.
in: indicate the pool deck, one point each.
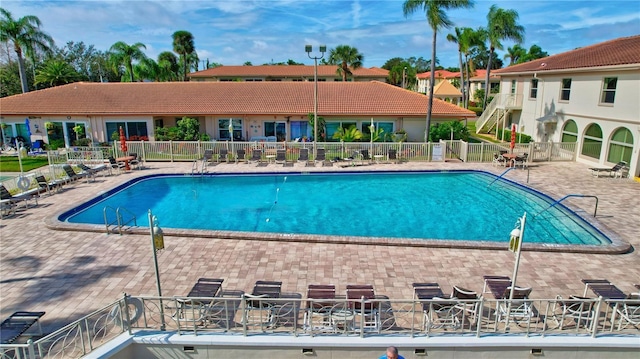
{"type": "Point", "coordinates": [70, 274]}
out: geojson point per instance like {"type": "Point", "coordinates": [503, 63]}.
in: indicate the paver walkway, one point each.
{"type": "Point", "coordinates": [70, 274]}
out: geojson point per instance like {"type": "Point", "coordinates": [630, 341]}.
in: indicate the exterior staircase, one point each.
{"type": "Point", "coordinates": [497, 110]}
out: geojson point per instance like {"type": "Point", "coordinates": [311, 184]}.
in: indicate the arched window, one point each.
{"type": "Point", "coordinates": [592, 143]}
{"type": "Point", "coordinates": [620, 146]}
{"type": "Point", "coordinates": [570, 132]}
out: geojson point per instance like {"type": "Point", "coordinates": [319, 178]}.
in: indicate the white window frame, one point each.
{"type": "Point", "coordinates": [605, 90]}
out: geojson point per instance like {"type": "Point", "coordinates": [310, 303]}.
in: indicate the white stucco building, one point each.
{"type": "Point", "coordinates": [589, 95]}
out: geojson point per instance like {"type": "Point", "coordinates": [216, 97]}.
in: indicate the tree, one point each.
{"type": "Point", "coordinates": [456, 38]}
{"type": "Point", "coordinates": [169, 63]}
{"type": "Point", "coordinates": [247, 63]}
{"type": "Point", "coordinates": [501, 25]}
{"type": "Point", "coordinates": [321, 126]}
{"type": "Point", "coordinates": [400, 69]}
{"type": "Point", "coordinates": [183, 45]}
{"type": "Point", "coordinates": [437, 19]}
{"type": "Point", "coordinates": [347, 58]}
{"type": "Point", "coordinates": [468, 40]}
{"type": "Point", "coordinates": [26, 36]}
{"type": "Point", "coordinates": [350, 134]}
{"type": "Point", "coordinates": [56, 72]}
{"type": "Point", "coordinates": [535, 52]}
{"type": "Point", "coordinates": [515, 54]}
{"type": "Point", "coordinates": [9, 79]}
{"type": "Point", "coordinates": [393, 62]}
{"type": "Point", "coordinates": [291, 62]}
{"type": "Point", "coordinates": [443, 131]}
{"type": "Point", "coordinates": [480, 58]}
{"type": "Point", "coordinates": [122, 54]}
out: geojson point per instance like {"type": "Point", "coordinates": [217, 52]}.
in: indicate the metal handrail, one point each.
{"type": "Point", "coordinates": [595, 211]}
{"type": "Point", "coordinates": [106, 220]}
{"type": "Point", "coordinates": [121, 222]}
{"type": "Point", "coordinates": [501, 175]}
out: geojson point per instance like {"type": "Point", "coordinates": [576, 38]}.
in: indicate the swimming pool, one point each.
{"type": "Point", "coordinates": [452, 205]}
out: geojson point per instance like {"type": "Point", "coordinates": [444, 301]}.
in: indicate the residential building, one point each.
{"type": "Point", "coordinates": [257, 110]}
{"type": "Point", "coordinates": [441, 75]}
{"type": "Point", "coordinates": [285, 73]}
{"type": "Point", "coordinates": [589, 96]}
{"type": "Point", "coordinates": [477, 82]}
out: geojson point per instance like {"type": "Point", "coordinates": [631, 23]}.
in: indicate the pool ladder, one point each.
{"type": "Point", "coordinates": [501, 175]}
{"type": "Point", "coordinates": [119, 221]}
{"type": "Point", "coordinates": [595, 211]}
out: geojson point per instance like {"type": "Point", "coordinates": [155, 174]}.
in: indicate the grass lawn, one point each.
{"type": "Point", "coordinates": [11, 164]}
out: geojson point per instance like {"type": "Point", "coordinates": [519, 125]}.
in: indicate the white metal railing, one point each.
{"type": "Point", "coordinates": [490, 116]}
{"type": "Point", "coordinates": [233, 312]}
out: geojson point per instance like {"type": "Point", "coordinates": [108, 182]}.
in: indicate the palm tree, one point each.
{"type": "Point", "coordinates": [437, 19]}
{"type": "Point", "coordinates": [501, 25]}
{"type": "Point", "coordinates": [347, 58]}
{"type": "Point", "coordinates": [183, 45]}
{"type": "Point", "coordinates": [57, 72]}
{"type": "Point", "coordinates": [26, 36]}
{"type": "Point", "coordinates": [515, 53]}
{"type": "Point", "coordinates": [169, 63]}
{"type": "Point", "coordinates": [457, 39]}
{"type": "Point", "coordinates": [121, 53]}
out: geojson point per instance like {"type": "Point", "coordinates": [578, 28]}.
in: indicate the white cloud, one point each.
{"type": "Point", "coordinates": [355, 8]}
{"type": "Point", "coordinates": [259, 45]}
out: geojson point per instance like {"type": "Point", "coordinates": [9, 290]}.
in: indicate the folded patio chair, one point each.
{"type": "Point", "coordinates": [579, 310]}
{"type": "Point", "coordinates": [361, 301]}
{"type": "Point", "coordinates": [256, 156]}
{"type": "Point", "coordinates": [25, 197]}
{"type": "Point", "coordinates": [610, 172]}
{"type": "Point", "coordinates": [304, 156]}
{"type": "Point", "coordinates": [281, 156]}
{"type": "Point", "coordinates": [240, 156]}
{"type": "Point", "coordinates": [17, 325]}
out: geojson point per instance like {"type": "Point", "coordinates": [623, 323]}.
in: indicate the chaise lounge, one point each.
{"type": "Point", "coordinates": [619, 169]}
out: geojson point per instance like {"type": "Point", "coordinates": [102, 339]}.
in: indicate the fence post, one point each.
{"type": "Point", "coordinates": [31, 350]}
{"type": "Point", "coordinates": [199, 149]}
{"type": "Point", "coordinates": [143, 154]}
{"type": "Point", "coordinates": [550, 144]}
{"type": "Point", "coordinates": [171, 150]}
{"type": "Point", "coordinates": [594, 323]}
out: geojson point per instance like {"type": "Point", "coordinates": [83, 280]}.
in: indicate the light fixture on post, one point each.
{"type": "Point", "coordinates": [231, 134]}
{"type": "Point", "coordinates": [308, 49]}
{"type": "Point", "coordinates": [515, 245]}
{"type": "Point", "coordinates": [404, 76]}
{"type": "Point", "coordinates": [157, 244]}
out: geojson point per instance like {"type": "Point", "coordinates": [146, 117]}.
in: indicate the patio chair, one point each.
{"type": "Point", "coordinates": [467, 300]}
{"type": "Point", "coordinates": [91, 170]}
{"type": "Point", "coordinates": [256, 156]}
{"type": "Point", "coordinates": [304, 156]}
{"type": "Point", "coordinates": [240, 155]}
{"type": "Point", "coordinates": [73, 175]}
{"type": "Point", "coordinates": [286, 310]}
{"type": "Point", "coordinates": [498, 160]}
{"type": "Point", "coordinates": [624, 305]}
{"type": "Point", "coordinates": [321, 303]}
{"type": "Point", "coordinates": [360, 302]}
{"type": "Point", "coordinates": [135, 161]}
{"type": "Point", "coordinates": [43, 184]}
{"type": "Point", "coordinates": [259, 308]}
{"type": "Point", "coordinates": [281, 156]}
{"type": "Point", "coordinates": [392, 156]}
{"type": "Point", "coordinates": [115, 165]}
{"type": "Point", "coordinates": [193, 310]}
{"type": "Point", "coordinates": [9, 199]}
{"type": "Point", "coordinates": [611, 172]}
{"type": "Point", "coordinates": [223, 154]}
{"type": "Point", "coordinates": [320, 156]}
{"type": "Point", "coordinates": [522, 160]}
{"type": "Point", "coordinates": [444, 313]}
{"type": "Point", "coordinates": [221, 311]}
{"type": "Point", "coordinates": [580, 310]}
{"type": "Point", "coordinates": [364, 154]}
{"type": "Point", "coordinates": [18, 324]}
{"type": "Point", "coordinates": [521, 307]}
{"type": "Point", "coordinates": [426, 293]}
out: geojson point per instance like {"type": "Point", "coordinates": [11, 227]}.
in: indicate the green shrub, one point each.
{"type": "Point", "coordinates": [83, 142]}
{"type": "Point", "coordinates": [55, 144]}
{"type": "Point", "coordinates": [477, 110]}
{"type": "Point", "coordinates": [520, 137]}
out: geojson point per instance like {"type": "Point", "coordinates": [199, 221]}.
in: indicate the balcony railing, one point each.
{"type": "Point", "coordinates": [235, 313]}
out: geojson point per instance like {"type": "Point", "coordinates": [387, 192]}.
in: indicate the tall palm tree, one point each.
{"type": "Point", "coordinates": [515, 53]}
{"type": "Point", "coordinates": [457, 39]}
{"type": "Point", "coordinates": [57, 72]}
{"type": "Point", "coordinates": [467, 40]}
{"type": "Point", "coordinates": [501, 25]}
{"type": "Point", "coordinates": [26, 36]}
{"type": "Point", "coordinates": [183, 45]}
{"type": "Point", "coordinates": [169, 62]}
{"type": "Point", "coordinates": [437, 19]}
{"type": "Point", "coordinates": [121, 53]}
{"type": "Point", "coordinates": [347, 58]}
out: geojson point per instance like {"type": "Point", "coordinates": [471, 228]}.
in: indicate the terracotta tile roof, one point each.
{"type": "Point", "coordinates": [446, 89]}
{"type": "Point", "coordinates": [622, 51]}
{"type": "Point", "coordinates": [285, 71]}
{"type": "Point", "coordinates": [220, 98]}
{"type": "Point", "coordinates": [440, 74]}
{"type": "Point", "coordinates": [480, 75]}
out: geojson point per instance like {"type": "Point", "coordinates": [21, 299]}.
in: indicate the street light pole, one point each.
{"type": "Point", "coordinates": [157, 243]}
{"type": "Point", "coordinates": [515, 245]}
{"type": "Point", "coordinates": [308, 49]}
{"type": "Point", "coordinates": [404, 72]}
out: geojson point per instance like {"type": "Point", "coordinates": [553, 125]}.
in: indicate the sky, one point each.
{"type": "Point", "coordinates": [232, 32]}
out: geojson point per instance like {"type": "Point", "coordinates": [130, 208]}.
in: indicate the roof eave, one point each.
{"type": "Point", "coordinates": [624, 67]}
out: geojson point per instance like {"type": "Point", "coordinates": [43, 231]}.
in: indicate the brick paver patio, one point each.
{"type": "Point", "coordinates": [70, 274]}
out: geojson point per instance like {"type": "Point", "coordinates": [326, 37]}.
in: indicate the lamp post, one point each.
{"type": "Point", "coordinates": [231, 134]}
{"type": "Point", "coordinates": [515, 245]}
{"type": "Point", "coordinates": [157, 243]}
{"type": "Point", "coordinates": [308, 49]}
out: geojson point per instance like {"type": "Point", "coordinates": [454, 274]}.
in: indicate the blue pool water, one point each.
{"type": "Point", "coordinates": [435, 205]}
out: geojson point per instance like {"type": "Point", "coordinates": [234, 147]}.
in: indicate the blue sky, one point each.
{"type": "Point", "coordinates": [232, 32]}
